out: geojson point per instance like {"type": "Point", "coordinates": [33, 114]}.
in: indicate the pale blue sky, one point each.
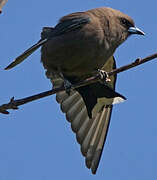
{"type": "Point", "coordinates": [36, 141]}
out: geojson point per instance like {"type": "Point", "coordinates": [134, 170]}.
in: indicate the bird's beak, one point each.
{"type": "Point", "coordinates": [135, 30]}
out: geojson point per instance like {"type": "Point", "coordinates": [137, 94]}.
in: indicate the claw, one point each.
{"type": "Point", "coordinates": [67, 86]}
{"type": "Point", "coordinates": [104, 77]}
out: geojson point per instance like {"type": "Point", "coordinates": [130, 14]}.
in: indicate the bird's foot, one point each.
{"type": "Point", "coordinates": [104, 77]}
{"type": "Point", "coordinates": [67, 86]}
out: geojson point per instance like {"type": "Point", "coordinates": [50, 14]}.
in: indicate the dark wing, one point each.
{"type": "Point", "coordinates": [27, 53]}
{"type": "Point", "coordinates": [90, 133]}
{"type": "Point", "coordinates": [65, 25]}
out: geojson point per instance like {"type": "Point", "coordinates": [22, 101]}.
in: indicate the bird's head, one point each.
{"type": "Point", "coordinates": [123, 25]}
{"type": "Point", "coordinates": [119, 25]}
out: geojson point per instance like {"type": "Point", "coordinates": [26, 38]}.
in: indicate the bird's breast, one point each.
{"type": "Point", "coordinates": [76, 53]}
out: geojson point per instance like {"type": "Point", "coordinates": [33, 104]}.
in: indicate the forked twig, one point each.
{"type": "Point", "coordinates": [13, 104]}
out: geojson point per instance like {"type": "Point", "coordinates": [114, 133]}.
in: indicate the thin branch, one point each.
{"type": "Point", "coordinates": [13, 104]}
{"type": "Point", "coordinates": [137, 62]}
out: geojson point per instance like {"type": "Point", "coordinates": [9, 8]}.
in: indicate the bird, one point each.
{"type": "Point", "coordinates": [80, 45]}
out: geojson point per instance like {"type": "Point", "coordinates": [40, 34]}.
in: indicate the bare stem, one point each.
{"type": "Point", "coordinates": [13, 104]}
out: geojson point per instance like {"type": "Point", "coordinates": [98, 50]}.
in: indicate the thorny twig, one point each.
{"type": "Point", "coordinates": [13, 104]}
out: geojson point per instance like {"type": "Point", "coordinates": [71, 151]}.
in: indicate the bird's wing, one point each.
{"type": "Point", "coordinates": [25, 54]}
{"type": "Point", "coordinates": [90, 133]}
{"type": "Point", "coordinates": [65, 25]}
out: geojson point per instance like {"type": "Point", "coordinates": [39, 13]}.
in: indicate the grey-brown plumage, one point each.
{"type": "Point", "coordinates": [90, 133]}
{"type": "Point", "coordinates": [84, 48]}
{"type": "Point", "coordinates": [79, 45]}
{"type": "Point", "coordinates": [88, 40]}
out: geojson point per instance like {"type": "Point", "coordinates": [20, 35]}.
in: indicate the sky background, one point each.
{"type": "Point", "coordinates": [36, 141]}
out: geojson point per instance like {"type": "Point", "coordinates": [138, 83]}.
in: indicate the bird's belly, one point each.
{"type": "Point", "coordinates": [74, 57]}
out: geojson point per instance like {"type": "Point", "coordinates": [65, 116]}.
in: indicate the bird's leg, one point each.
{"type": "Point", "coordinates": [67, 84]}
{"type": "Point", "coordinates": [104, 77]}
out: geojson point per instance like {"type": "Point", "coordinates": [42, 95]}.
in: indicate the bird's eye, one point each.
{"type": "Point", "coordinates": [125, 22]}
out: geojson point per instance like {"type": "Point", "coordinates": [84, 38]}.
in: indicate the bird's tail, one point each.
{"type": "Point", "coordinates": [98, 95]}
